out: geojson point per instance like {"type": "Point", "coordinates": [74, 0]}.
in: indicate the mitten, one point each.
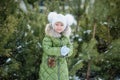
{"type": "Point", "coordinates": [64, 50]}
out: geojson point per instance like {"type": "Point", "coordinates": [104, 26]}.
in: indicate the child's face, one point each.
{"type": "Point", "coordinates": [59, 27]}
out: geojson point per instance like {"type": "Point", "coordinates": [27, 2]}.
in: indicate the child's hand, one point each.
{"type": "Point", "coordinates": [64, 50]}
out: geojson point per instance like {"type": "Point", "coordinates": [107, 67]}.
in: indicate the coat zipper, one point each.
{"type": "Point", "coordinates": [58, 69]}
{"type": "Point", "coordinates": [59, 64]}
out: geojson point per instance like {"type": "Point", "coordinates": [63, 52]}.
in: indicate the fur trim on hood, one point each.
{"type": "Point", "coordinates": [51, 32]}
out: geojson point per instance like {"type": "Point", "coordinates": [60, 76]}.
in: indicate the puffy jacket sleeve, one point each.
{"type": "Point", "coordinates": [48, 49]}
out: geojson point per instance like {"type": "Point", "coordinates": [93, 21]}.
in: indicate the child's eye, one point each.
{"type": "Point", "coordinates": [56, 24]}
{"type": "Point", "coordinates": [61, 24]}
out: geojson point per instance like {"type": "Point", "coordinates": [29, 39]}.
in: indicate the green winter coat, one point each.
{"type": "Point", "coordinates": [52, 44]}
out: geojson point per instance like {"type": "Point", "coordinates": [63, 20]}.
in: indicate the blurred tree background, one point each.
{"type": "Point", "coordinates": [96, 38]}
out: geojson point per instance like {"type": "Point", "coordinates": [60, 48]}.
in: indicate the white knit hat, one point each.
{"type": "Point", "coordinates": [67, 20]}
{"type": "Point", "coordinates": [59, 18]}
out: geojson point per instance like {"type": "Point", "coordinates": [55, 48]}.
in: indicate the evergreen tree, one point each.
{"type": "Point", "coordinates": [21, 36]}
{"type": "Point", "coordinates": [95, 38]}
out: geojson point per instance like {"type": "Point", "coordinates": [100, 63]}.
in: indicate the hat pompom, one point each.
{"type": "Point", "coordinates": [70, 19]}
{"type": "Point", "coordinates": [51, 15]}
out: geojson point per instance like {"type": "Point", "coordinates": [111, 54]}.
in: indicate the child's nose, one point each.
{"type": "Point", "coordinates": [59, 26]}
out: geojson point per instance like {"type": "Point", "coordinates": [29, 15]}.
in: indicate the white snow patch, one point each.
{"type": "Point", "coordinates": [8, 60]}
{"type": "Point", "coordinates": [23, 6]}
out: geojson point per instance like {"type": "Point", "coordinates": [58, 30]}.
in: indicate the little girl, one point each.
{"type": "Point", "coordinates": [57, 47]}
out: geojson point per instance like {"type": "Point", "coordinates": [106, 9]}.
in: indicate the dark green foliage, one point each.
{"type": "Point", "coordinates": [21, 34]}
{"type": "Point", "coordinates": [110, 61]}
{"type": "Point", "coordinates": [20, 45]}
{"type": "Point", "coordinates": [6, 24]}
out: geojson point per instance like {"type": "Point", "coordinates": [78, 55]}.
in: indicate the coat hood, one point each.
{"type": "Point", "coordinates": [51, 32]}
